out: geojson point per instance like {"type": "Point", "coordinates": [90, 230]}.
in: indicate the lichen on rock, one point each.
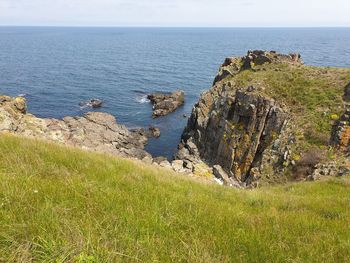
{"type": "Point", "coordinates": [341, 132]}
{"type": "Point", "coordinates": [250, 125]}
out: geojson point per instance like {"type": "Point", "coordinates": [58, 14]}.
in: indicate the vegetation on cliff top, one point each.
{"type": "Point", "coordinates": [313, 95]}
{"type": "Point", "coordinates": [61, 204]}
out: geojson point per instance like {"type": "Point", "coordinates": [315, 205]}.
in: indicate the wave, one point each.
{"type": "Point", "coordinates": [142, 99]}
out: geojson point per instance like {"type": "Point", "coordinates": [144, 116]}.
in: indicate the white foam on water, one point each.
{"type": "Point", "coordinates": [142, 99]}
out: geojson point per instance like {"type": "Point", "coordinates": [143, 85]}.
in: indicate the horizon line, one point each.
{"type": "Point", "coordinates": [170, 26]}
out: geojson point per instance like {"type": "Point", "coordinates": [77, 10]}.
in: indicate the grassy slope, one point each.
{"type": "Point", "coordinates": [313, 95]}
{"type": "Point", "coordinates": [59, 204]}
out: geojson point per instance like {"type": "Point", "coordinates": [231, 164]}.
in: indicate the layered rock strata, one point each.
{"type": "Point", "coordinates": [239, 131]}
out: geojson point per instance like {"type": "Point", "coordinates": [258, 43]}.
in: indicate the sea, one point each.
{"type": "Point", "coordinates": [56, 68]}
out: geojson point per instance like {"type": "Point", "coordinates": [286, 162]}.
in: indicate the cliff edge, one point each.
{"type": "Point", "coordinates": [268, 118]}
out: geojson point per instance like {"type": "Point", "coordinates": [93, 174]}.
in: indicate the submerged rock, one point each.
{"type": "Point", "coordinates": [96, 103]}
{"type": "Point", "coordinates": [151, 132]}
{"type": "Point", "coordinates": [93, 103]}
{"type": "Point", "coordinates": [95, 131]}
{"type": "Point", "coordinates": [154, 131]}
{"type": "Point", "coordinates": [164, 104]}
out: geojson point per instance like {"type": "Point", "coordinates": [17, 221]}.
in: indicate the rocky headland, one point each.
{"type": "Point", "coordinates": [264, 116]}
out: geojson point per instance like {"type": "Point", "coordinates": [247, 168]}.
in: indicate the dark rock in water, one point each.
{"type": "Point", "coordinates": [95, 131]}
{"type": "Point", "coordinates": [150, 132]}
{"type": "Point", "coordinates": [164, 104]}
{"type": "Point", "coordinates": [94, 103]}
{"type": "Point", "coordinates": [155, 132]}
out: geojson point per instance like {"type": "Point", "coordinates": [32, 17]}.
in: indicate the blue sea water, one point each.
{"type": "Point", "coordinates": [59, 67]}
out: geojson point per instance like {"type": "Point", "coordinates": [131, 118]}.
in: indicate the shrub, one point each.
{"type": "Point", "coordinates": [307, 163]}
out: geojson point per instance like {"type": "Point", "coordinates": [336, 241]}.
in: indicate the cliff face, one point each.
{"type": "Point", "coordinates": [95, 131]}
{"type": "Point", "coordinates": [341, 128]}
{"type": "Point", "coordinates": [239, 124]}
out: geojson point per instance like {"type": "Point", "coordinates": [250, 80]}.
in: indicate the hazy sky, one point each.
{"type": "Point", "coordinates": [176, 12]}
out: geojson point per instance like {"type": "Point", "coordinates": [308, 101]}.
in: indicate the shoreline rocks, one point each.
{"type": "Point", "coordinates": [164, 104]}
{"type": "Point", "coordinates": [94, 131]}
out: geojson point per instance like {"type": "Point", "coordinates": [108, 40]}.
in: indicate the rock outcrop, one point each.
{"type": "Point", "coordinates": [341, 129]}
{"type": "Point", "coordinates": [164, 104]}
{"type": "Point", "coordinates": [240, 132]}
{"type": "Point", "coordinates": [95, 131]}
{"type": "Point", "coordinates": [232, 66]}
{"type": "Point", "coordinates": [341, 133]}
{"type": "Point", "coordinates": [331, 168]}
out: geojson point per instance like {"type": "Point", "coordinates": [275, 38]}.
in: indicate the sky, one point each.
{"type": "Point", "coordinates": [202, 13]}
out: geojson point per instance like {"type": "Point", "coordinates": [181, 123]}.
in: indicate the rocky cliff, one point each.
{"type": "Point", "coordinates": [257, 120]}
{"type": "Point", "coordinates": [95, 131]}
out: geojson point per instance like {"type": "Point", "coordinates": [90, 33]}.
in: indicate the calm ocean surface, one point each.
{"type": "Point", "coordinates": [59, 67]}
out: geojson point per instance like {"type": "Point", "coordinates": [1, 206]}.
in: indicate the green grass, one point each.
{"type": "Point", "coordinates": [65, 205]}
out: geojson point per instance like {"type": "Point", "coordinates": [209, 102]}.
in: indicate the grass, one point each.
{"type": "Point", "coordinates": [313, 95]}
{"type": "Point", "coordinates": [60, 204]}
